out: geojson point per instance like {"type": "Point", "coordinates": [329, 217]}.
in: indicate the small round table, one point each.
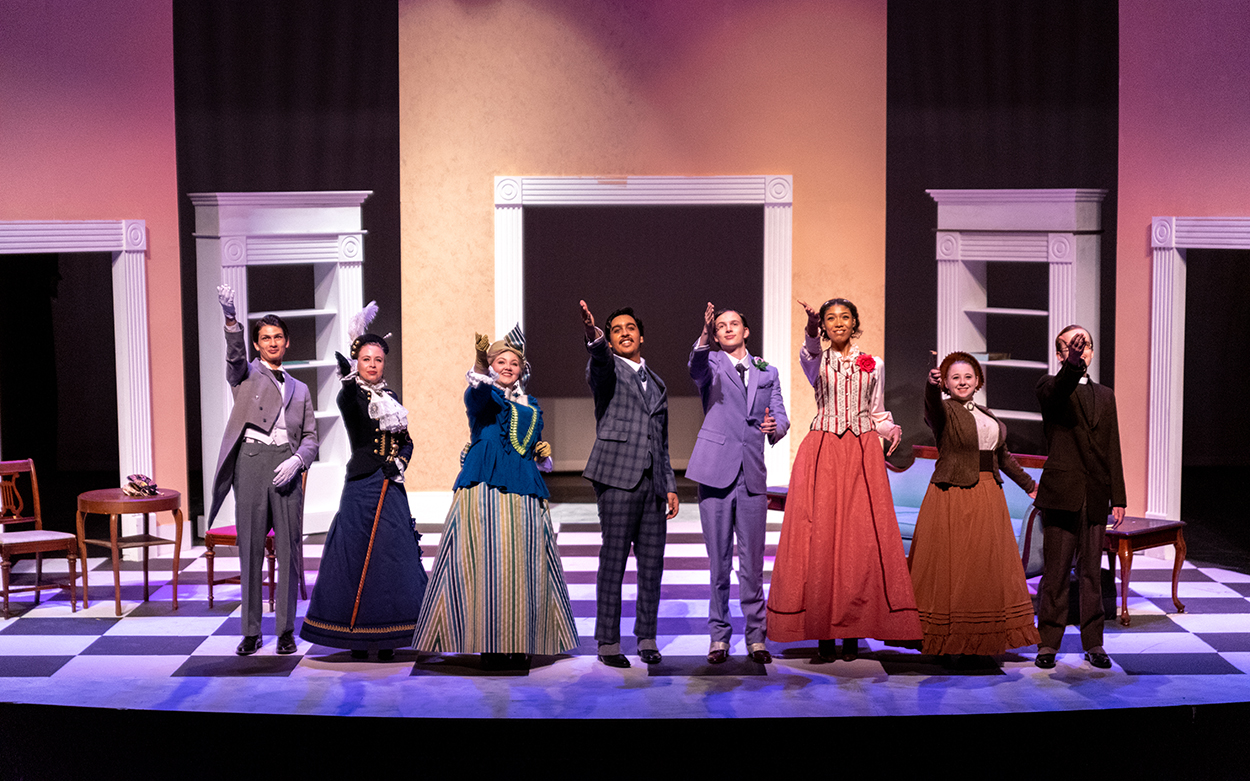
{"type": "Point", "coordinates": [114, 503]}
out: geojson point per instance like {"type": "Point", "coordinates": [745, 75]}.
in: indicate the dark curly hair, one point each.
{"type": "Point", "coordinates": [856, 331]}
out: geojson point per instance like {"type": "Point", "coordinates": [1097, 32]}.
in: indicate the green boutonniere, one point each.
{"type": "Point", "coordinates": [760, 363]}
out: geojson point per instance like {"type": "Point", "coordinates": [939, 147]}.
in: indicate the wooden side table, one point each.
{"type": "Point", "coordinates": [1135, 534]}
{"type": "Point", "coordinates": [114, 502]}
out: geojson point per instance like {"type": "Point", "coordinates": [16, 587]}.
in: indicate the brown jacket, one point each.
{"type": "Point", "coordinates": [959, 455]}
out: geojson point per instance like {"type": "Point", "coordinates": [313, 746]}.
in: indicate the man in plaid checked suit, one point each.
{"type": "Point", "coordinates": [634, 483]}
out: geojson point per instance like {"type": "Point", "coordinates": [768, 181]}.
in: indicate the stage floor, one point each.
{"type": "Point", "coordinates": [160, 659]}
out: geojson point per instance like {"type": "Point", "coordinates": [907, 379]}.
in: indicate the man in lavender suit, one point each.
{"type": "Point", "coordinates": [741, 405]}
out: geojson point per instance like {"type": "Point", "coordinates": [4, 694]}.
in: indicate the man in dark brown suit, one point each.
{"type": "Point", "coordinates": [1082, 482]}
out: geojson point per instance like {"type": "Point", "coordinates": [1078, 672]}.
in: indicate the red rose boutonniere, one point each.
{"type": "Point", "coordinates": [865, 363]}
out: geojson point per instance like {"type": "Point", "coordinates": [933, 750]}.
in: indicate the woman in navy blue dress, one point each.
{"type": "Point", "coordinates": [370, 583]}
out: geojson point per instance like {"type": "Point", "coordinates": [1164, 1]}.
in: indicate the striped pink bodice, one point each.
{"type": "Point", "coordinates": [845, 393]}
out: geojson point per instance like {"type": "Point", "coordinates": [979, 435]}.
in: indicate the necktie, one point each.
{"type": "Point", "coordinates": [742, 373]}
{"type": "Point", "coordinates": [280, 376]}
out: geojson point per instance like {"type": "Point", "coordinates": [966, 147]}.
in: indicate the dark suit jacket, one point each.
{"type": "Point", "coordinates": [959, 452]}
{"type": "Point", "coordinates": [1083, 446]}
{"type": "Point", "coordinates": [257, 402]}
{"type": "Point", "coordinates": [629, 432]}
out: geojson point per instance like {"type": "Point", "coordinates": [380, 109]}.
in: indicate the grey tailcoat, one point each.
{"type": "Point", "coordinates": [256, 403]}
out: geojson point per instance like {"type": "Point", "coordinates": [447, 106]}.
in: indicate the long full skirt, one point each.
{"type": "Point", "coordinates": [840, 570]}
{"type": "Point", "coordinates": [965, 566]}
{"type": "Point", "coordinates": [370, 582]}
{"type": "Point", "coordinates": [497, 585]}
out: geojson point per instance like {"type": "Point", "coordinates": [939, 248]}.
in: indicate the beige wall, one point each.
{"type": "Point", "coordinates": [87, 132]}
{"type": "Point", "coordinates": [570, 88]}
{"type": "Point", "coordinates": [1184, 151]}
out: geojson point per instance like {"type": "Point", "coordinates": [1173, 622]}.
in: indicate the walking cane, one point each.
{"type": "Point", "coordinates": [368, 553]}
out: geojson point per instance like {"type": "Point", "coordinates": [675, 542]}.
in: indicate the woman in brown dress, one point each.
{"type": "Point", "coordinates": [965, 564]}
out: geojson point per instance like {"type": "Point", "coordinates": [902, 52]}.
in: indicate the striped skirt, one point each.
{"type": "Point", "coordinates": [497, 585]}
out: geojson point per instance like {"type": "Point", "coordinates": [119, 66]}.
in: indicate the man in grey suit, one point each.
{"type": "Point", "coordinates": [270, 438]}
{"type": "Point", "coordinates": [634, 483]}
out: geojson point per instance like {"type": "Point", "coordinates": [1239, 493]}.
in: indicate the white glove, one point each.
{"type": "Point", "coordinates": [287, 471]}
{"type": "Point", "coordinates": [225, 297]}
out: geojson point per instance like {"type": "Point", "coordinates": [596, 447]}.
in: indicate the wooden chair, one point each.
{"type": "Point", "coordinates": [229, 536]}
{"type": "Point", "coordinates": [37, 540]}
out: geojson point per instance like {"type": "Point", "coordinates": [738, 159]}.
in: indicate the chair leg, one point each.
{"type": "Point", "coordinates": [4, 565]}
{"type": "Point", "coordinates": [73, 579]}
{"type": "Point", "coordinates": [209, 554]}
{"type": "Point", "coordinates": [38, 575]}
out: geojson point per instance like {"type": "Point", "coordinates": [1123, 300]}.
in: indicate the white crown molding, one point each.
{"type": "Point", "coordinates": [296, 199]}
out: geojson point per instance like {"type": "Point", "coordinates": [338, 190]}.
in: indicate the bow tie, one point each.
{"type": "Point", "coordinates": [279, 375]}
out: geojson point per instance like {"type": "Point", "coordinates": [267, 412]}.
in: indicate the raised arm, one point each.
{"type": "Point", "coordinates": [236, 348]}
{"type": "Point", "coordinates": [809, 353]}
{"type": "Point", "coordinates": [700, 371]}
{"type": "Point", "coordinates": [934, 409]}
{"type": "Point", "coordinates": [601, 370]}
{"type": "Point", "coordinates": [1053, 392]}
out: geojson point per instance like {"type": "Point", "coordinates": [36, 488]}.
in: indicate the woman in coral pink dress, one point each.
{"type": "Point", "coordinates": [840, 570]}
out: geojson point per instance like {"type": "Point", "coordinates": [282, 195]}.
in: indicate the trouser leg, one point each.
{"type": "Point", "coordinates": [649, 552]}
{"type": "Point", "coordinates": [253, 480]}
{"type": "Point", "coordinates": [1059, 539]}
{"type": "Point", "coordinates": [286, 510]}
{"type": "Point", "coordinates": [750, 525]}
{"type": "Point", "coordinates": [716, 511]}
{"type": "Point", "coordinates": [619, 515]}
{"type": "Point", "coordinates": [1089, 574]}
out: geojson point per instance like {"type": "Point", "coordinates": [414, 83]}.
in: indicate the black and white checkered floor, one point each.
{"type": "Point", "coordinates": [157, 658]}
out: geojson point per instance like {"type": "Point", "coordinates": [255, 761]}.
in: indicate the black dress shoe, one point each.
{"type": "Point", "coordinates": [650, 656]}
{"type": "Point", "coordinates": [358, 654]}
{"type": "Point", "coordinates": [494, 662]}
{"type": "Point", "coordinates": [249, 645]}
{"type": "Point", "coordinates": [286, 643]}
{"type": "Point", "coordinates": [386, 655]}
{"type": "Point", "coordinates": [850, 649]}
{"type": "Point", "coordinates": [826, 651]}
{"type": "Point", "coordinates": [518, 661]}
{"type": "Point", "coordinates": [1099, 660]}
{"type": "Point", "coordinates": [762, 656]}
{"type": "Point", "coordinates": [614, 660]}
{"type": "Point", "coordinates": [717, 656]}
{"type": "Point", "coordinates": [1045, 661]}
